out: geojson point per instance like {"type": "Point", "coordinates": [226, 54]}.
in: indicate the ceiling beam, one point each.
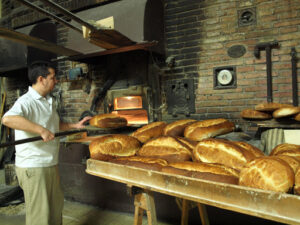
{"type": "Point", "coordinates": [36, 42]}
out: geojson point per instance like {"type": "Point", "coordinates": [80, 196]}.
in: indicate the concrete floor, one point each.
{"type": "Point", "coordinates": [73, 214]}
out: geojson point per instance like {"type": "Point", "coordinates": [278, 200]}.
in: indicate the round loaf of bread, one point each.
{"type": "Point", "coordinates": [108, 121]}
{"type": "Point", "coordinates": [142, 162]}
{"type": "Point", "coordinates": [206, 171]}
{"type": "Point", "coordinates": [285, 112]}
{"type": "Point", "coordinates": [248, 147]}
{"type": "Point", "coordinates": [166, 147]}
{"type": "Point", "coordinates": [177, 128]}
{"type": "Point", "coordinates": [255, 115]}
{"type": "Point", "coordinates": [270, 106]}
{"type": "Point", "coordinates": [268, 173]}
{"type": "Point", "coordinates": [297, 117]}
{"type": "Point", "coordinates": [208, 128]}
{"type": "Point", "coordinates": [149, 131]}
{"type": "Point", "coordinates": [115, 145]}
{"type": "Point", "coordinates": [292, 161]}
{"type": "Point", "coordinates": [286, 149]}
{"type": "Point", "coordinates": [297, 182]}
{"type": "Point", "coordinates": [222, 151]}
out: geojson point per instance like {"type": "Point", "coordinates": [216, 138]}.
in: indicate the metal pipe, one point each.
{"type": "Point", "coordinates": [269, 74]}
{"type": "Point", "coordinates": [294, 76]}
{"type": "Point", "coordinates": [69, 14]}
{"type": "Point", "coordinates": [43, 11]}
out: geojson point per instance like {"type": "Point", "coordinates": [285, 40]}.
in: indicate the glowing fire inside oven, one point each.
{"type": "Point", "coordinates": [131, 108]}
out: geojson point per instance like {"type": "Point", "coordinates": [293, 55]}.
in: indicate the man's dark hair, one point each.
{"type": "Point", "coordinates": [38, 68]}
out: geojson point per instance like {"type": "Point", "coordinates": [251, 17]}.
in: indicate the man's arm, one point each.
{"type": "Point", "coordinates": [21, 123]}
{"type": "Point", "coordinates": [67, 126]}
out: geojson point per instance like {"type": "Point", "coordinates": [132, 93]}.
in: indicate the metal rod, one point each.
{"type": "Point", "coordinates": [69, 14]}
{"type": "Point", "coordinates": [294, 76]}
{"type": "Point", "coordinates": [269, 74]}
{"type": "Point", "coordinates": [43, 11]}
{"type": "Point", "coordinates": [26, 140]}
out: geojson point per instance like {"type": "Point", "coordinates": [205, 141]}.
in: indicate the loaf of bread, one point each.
{"type": "Point", "coordinates": [285, 112]}
{"type": "Point", "coordinates": [286, 149]}
{"type": "Point", "coordinates": [190, 143]}
{"type": "Point", "coordinates": [268, 173]}
{"type": "Point", "coordinates": [270, 106]}
{"type": "Point", "coordinates": [115, 145]}
{"type": "Point", "coordinates": [149, 131]}
{"type": "Point", "coordinates": [206, 171]}
{"type": "Point", "coordinates": [108, 121]}
{"type": "Point", "coordinates": [223, 152]}
{"type": "Point", "coordinates": [248, 147]}
{"type": "Point", "coordinates": [208, 128]}
{"type": "Point", "coordinates": [177, 128]}
{"type": "Point", "coordinates": [255, 115]}
{"type": "Point", "coordinates": [297, 117]}
{"type": "Point", "coordinates": [141, 162]}
{"type": "Point", "coordinates": [292, 161]}
{"type": "Point", "coordinates": [297, 182]}
{"type": "Point", "coordinates": [166, 147]}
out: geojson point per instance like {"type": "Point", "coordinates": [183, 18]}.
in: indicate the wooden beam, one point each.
{"type": "Point", "coordinates": [36, 42]}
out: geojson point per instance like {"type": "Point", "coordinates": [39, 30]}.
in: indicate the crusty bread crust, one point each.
{"type": "Point", "coordinates": [268, 173]}
{"type": "Point", "coordinates": [286, 111]}
{"type": "Point", "coordinates": [254, 114]}
{"type": "Point", "coordinates": [292, 161]}
{"type": "Point", "coordinates": [297, 182]}
{"type": "Point", "coordinates": [142, 162]}
{"type": "Point", "coordinates": [177, 128]}
{"type": "Point", "coordinates": [190, 143]}
{"type": "Point", "coordinates": [222, 151]}
{"type": "Point", "coordinates": [248, 147]}
{"type": "Point", "coordinates": [297, 117]}
{"type": "Point", "coordinates": [212, 172]}
{"type": "Point", "coordinates": [116, 145]}
{"type": "Point", "coordinates": [149, 131]}
{"type": "Point", "coordinates": [166, 147]}
{"type": "Point", "coordinates": [208, 128]}
{"type": "Point", "coordinates": [285, 147]}
{"type": "Point", "coordinates": [108, 121]}
{"type": "Point", "coordinates": [270, 106]}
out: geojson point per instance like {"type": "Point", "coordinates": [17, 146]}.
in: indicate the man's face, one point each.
{"type": "Point", "coordinates": [49, 81]}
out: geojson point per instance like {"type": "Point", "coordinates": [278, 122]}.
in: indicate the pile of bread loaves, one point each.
{"type": "Point", "coordinates": [188, 148]}
{"type": "Point", "coordinates": [271, 110]}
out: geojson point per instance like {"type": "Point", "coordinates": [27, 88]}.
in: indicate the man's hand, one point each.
{"type": "Point", "coordinates": [79, 125]}
{"type": "Point", "coordinates": [47, 135]}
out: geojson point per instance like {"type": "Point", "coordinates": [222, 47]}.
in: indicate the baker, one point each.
{"type": "Point", "coordinates": [34, 113]}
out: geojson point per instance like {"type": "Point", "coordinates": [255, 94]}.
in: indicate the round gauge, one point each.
{"type": "Point", "coordinates": [224, 77]}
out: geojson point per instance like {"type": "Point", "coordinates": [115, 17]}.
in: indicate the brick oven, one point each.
{"type": "Point", "coordinates": [203, 66]}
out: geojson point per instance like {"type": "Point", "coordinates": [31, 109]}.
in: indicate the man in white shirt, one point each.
{"type": "Point", "coordinates": [33, 114]}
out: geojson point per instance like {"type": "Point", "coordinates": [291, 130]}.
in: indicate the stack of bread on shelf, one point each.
{"type": "Point", "coordinates": [271, 110]}
{"type": "Point", "coordinates": [191, 148]}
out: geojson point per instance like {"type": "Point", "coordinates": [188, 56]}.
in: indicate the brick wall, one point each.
{"type": "Point", "coordinates": [199, 33]}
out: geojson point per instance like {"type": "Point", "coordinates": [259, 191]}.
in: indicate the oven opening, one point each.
{"type": "Point", "coordinates": [131, 108]}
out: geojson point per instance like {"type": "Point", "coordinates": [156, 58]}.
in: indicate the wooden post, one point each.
{"type": "Point", "coordinates": [185, 212]}
{"type": "Point", "coordinates": [144, 201]}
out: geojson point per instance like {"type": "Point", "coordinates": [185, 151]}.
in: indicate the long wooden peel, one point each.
{"type": "Point", "coordinates": [26, 140]}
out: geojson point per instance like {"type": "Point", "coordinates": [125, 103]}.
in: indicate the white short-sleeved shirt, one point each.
{"type": "Point", "coordinates": [40, 110]}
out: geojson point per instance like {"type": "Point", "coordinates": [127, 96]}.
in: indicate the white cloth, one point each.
{"type": "Point", "coordinates": [40, 110]}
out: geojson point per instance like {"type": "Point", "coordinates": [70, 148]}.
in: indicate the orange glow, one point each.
{"type": "Point", "coordinates": [138, 116]}
{"type": "Point", "coordinates": [128, 102]}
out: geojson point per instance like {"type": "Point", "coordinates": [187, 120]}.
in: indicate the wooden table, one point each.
{"type": "Point", "coordinates": [269, 205]}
